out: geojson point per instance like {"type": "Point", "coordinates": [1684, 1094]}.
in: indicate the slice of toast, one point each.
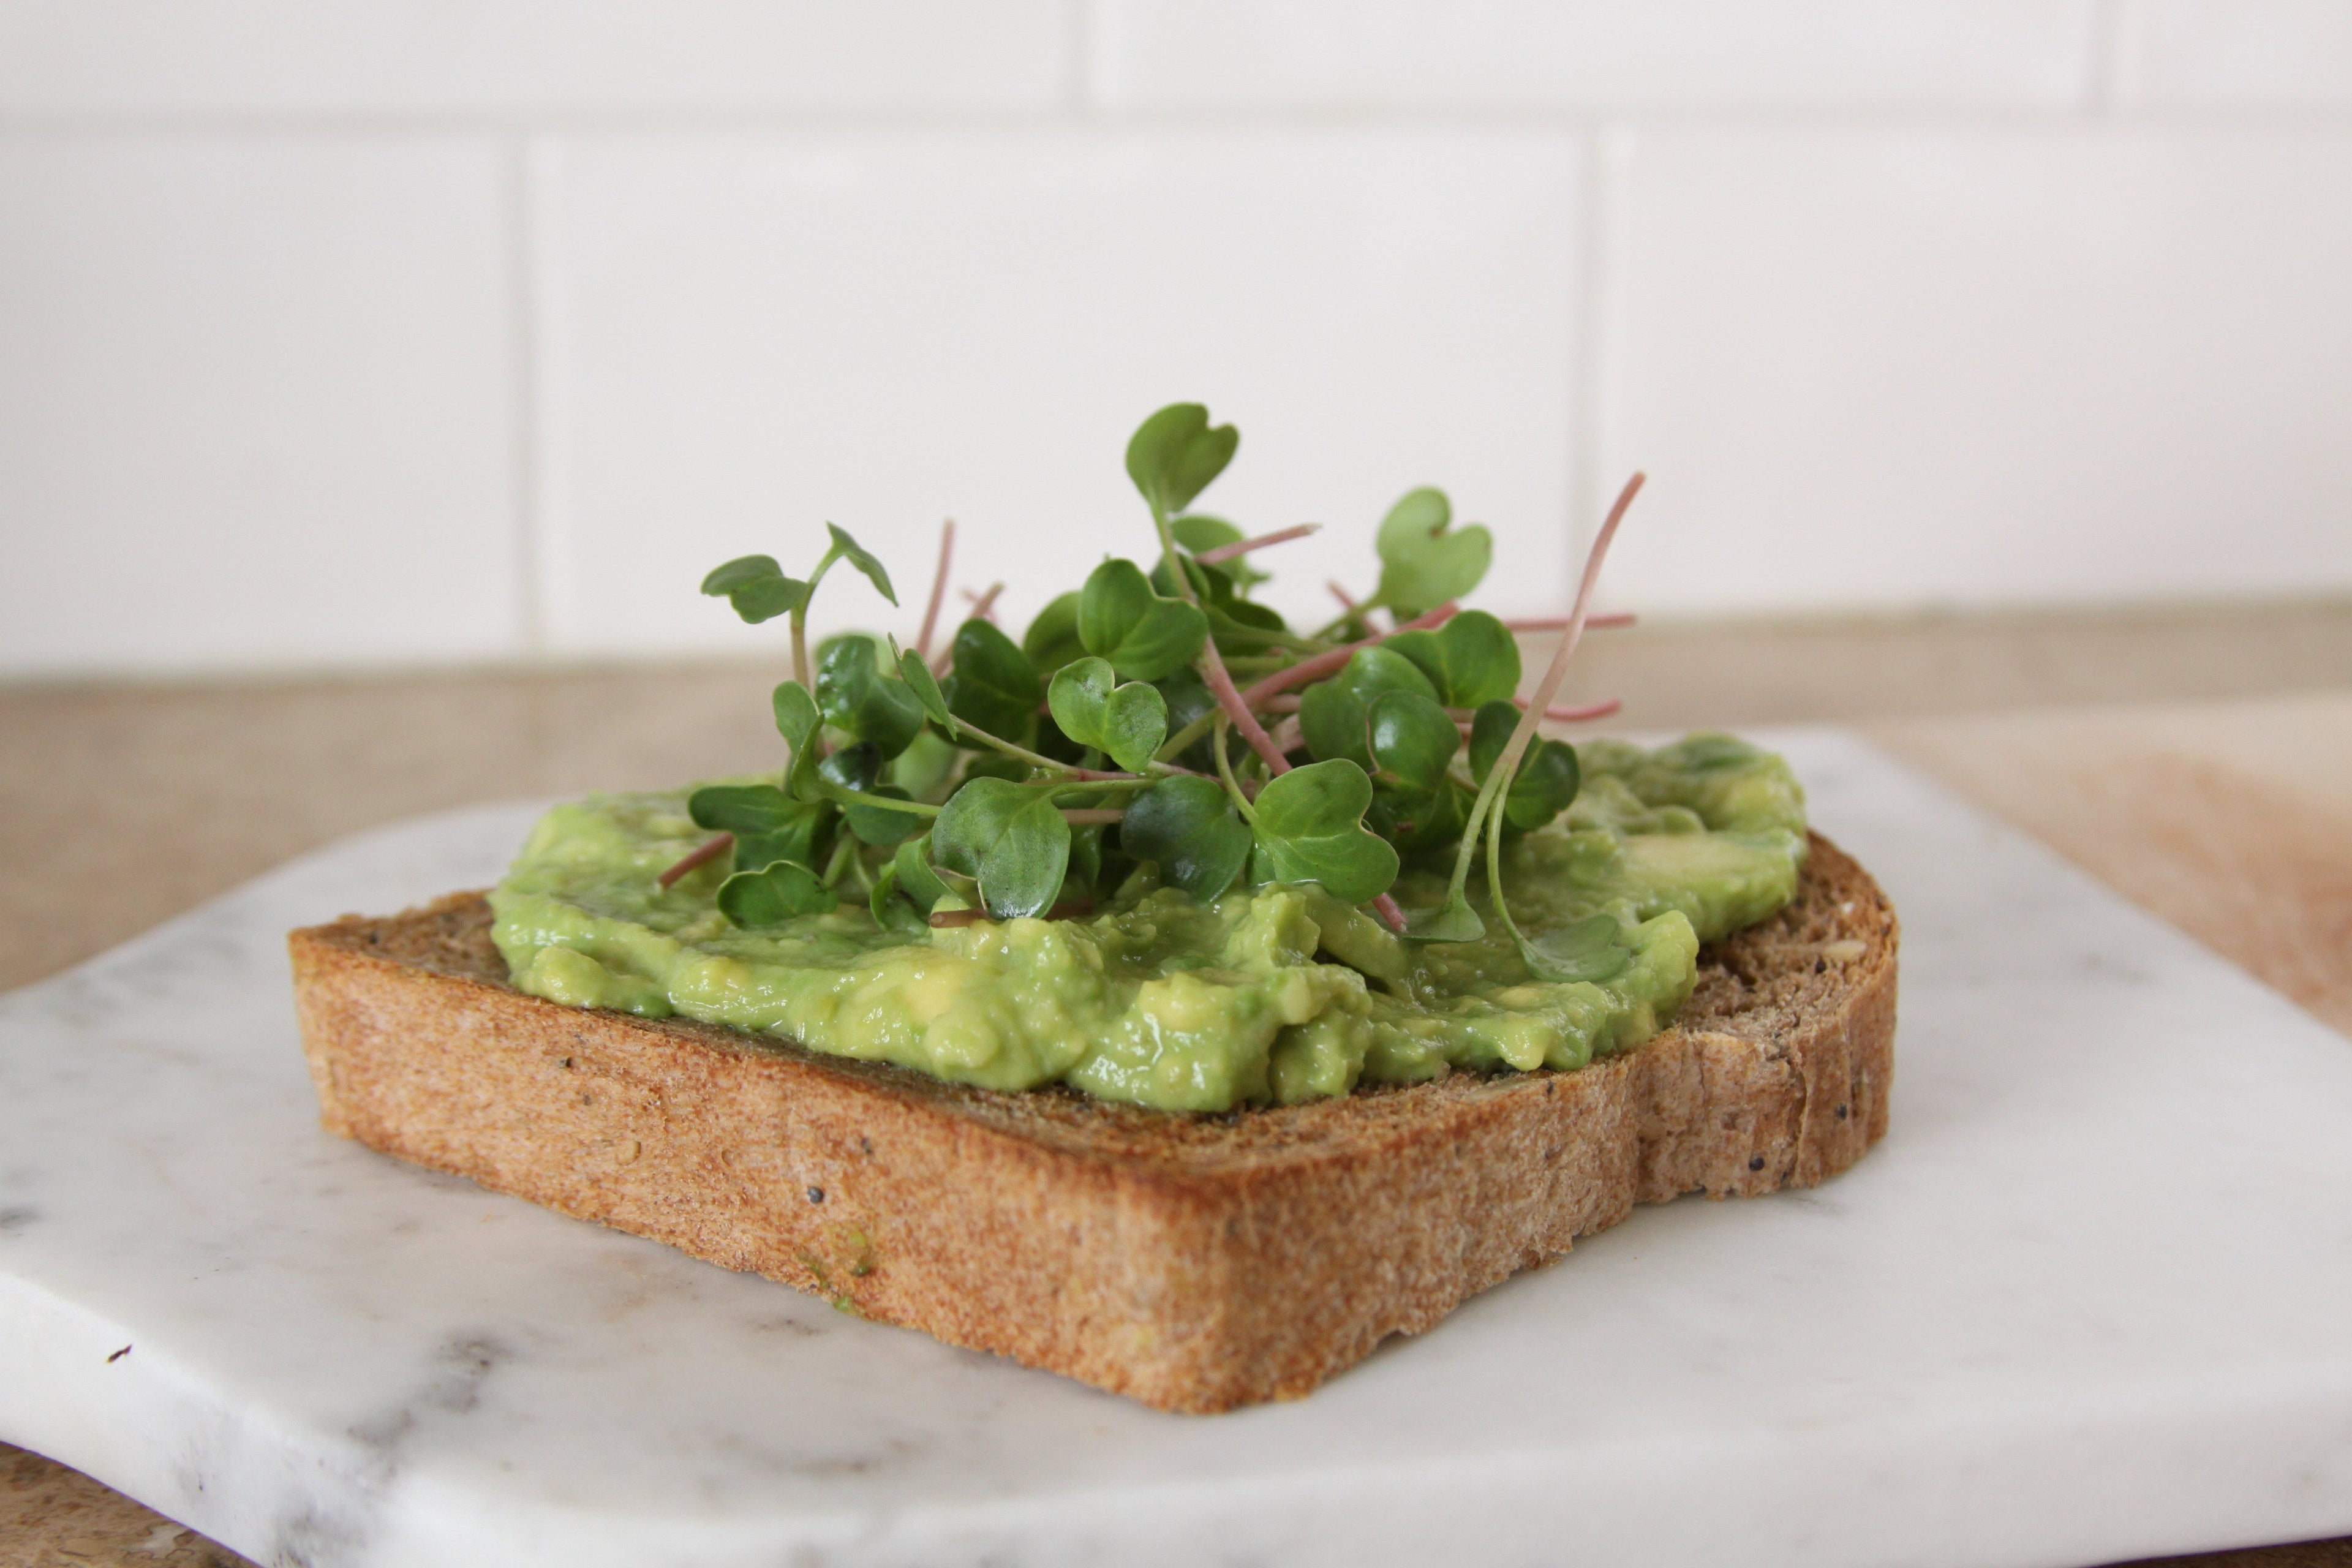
{"type": "Point", "coordinates": [1192, 1262]}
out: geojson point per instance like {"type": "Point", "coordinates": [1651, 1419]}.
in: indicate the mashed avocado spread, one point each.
{"type": "Point", "coordinates": [1275, 993]}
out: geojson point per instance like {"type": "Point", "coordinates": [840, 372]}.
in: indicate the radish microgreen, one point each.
{"type": "Point", "coordinates": [1002, 779]}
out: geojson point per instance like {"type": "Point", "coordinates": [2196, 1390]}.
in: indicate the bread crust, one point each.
{"type": "Point", "coordinates": [1195, 1263]}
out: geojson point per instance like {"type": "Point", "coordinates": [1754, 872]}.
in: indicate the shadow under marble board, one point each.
{"type": "Point", "coordinates": [2084, 1302]}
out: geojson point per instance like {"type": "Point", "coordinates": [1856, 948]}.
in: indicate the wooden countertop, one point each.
{"type": "Point", "coordinates": [119, 806]}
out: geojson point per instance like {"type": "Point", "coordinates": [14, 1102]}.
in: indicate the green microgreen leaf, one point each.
{"type": "Point", "coordinates": [1419, 820]}
{"type": "Point", "coordinates": [798, 720]}
{"type": "Point", "coordinates": [1197, 532]}
{"type": "Point", "coordinates": [1470, 659]}
{"type": "Point", "coordinates": [1548, 776]}
{"type": "Point", "coordinates": [1240, 625]}
{"type": "Point", "coordinates": [1412, 741]}
{"type": "Point", "coordinates": [1333, 714]}
{"type": "Point", "coordinates": [993, 686]}
{"type": "Point", "coordinates": [879, 825]}
{"type": "Point", "coordinates": [1174, 455]}
{"type": "Point", "coordinates": [1547, 784]}
{"type": "Point", "coordinates": [1490, 731]}
{"type": "Point", "coordinates": [1052, 639]}
{"type": "Point", "coordinates": [1012, 838]}
{"type": "Point", "coordinates": [1453, 920]}
{"type": "Point", "coordinates": [1143, 635]}
{"type": "Point", "coordinates": [859, 768]}
{"type": "Point", "coordinates": [1586, 950]}
{"type": "Point", "coordinates": [917, 880]}
{"type": "Point", "coordinates": [772, 895]}
{"type": "Point", "coordinates": [1085, 861]}
{"type": "Point", "coordinates": [757, 587]}
{"type": "Point", "coordinates": [847, 549]}
{"type": "Point", "coordinates": [926, 688]}
{"type": "Point", "coordinates": [891, 911]}
{"type": "Point", "coordinates": [856, 767]}
{"type": "Point", "coordinates": [1423, 564]}
{"type": "Point", "coordinates": [1310, 830]}
{"type": "Point", "coordinates": [854, 694]}
{"type": "Point", "coordinates": [1188, 699]}
{"type": "Point", "coordinates": [768, 824]}
{"type": "Point", "coordinates": [1127, 722]}
{"type": "Point", "coordinates": [1187, 825]}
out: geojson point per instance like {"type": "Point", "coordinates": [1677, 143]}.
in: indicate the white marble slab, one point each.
{"type": "Point", "coordinates": [2087, 1301]}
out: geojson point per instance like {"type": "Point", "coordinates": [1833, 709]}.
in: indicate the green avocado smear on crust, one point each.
{"type": "Point", "coordinates": [1270, 992]}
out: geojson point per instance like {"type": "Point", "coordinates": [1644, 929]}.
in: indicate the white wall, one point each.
{"type": "Point", "coordinates": [393, 332]}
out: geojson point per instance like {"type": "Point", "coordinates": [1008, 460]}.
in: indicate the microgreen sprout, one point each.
{"type": "Point", "coordinates": [1158, 719]}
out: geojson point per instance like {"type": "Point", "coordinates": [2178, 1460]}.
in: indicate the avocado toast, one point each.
{"type": "Point", "coordinates": [1189, 1075]}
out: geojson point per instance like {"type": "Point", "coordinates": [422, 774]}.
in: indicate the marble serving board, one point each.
{"type": "Point", "coordinates": [2091, 1300]}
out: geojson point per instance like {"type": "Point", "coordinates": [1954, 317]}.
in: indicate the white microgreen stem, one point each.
{"type": "Point", "coordinates": [1559, 622]}
{"type": "Point", "coordinates": [708, 850]}
{"type": "Point", "coordinates": [939, 589]}
{"type": "Point", "coordinates": [1494, 875]}
{"type": "Point", "coordinates": [1082, 815]}
{"type": "Point", "coordinates": [1241, 547]}
{"type": "Point", "coordinates": [1323, 663]}
{"type": "Point", "coordinates": [1507, 767]}
{"type": "Point", "coordinates": [1229, 701]}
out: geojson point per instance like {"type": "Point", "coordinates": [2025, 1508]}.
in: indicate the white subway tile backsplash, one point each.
{"type": "Point", "coordinates": [1872, 367]}
{"type": "Point", "coordinates": [1582, 53]}
{"type": "Point", "coordinates": [2236, 53]}
{"type": "Point", "coordinates": [749, 336]}
{"type": "Point", "coordinates": [379, 56]}
{"type": "Point", "coordinates": [255, 403]}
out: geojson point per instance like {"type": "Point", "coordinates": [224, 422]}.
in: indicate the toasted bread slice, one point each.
{"type": "Point", "coordinates": [1192, 1262]}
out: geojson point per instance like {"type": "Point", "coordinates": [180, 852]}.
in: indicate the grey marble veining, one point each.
{"type": "Point", "coordinates": [2086, 1302]}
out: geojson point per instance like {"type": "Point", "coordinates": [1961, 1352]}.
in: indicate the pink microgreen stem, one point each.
{"type": "Point", "coordinates": [1391, 913]}
{"type": "Point", "coordinates": [1241, 547]}
{"type": "Point", "coordinates": [1561, 715]}
{"type": "Point", "coordinates": [1323, 663]}
{"type": "Point", "coordinates": [1346, 600]}
{"type": "Point", "coordinates": [939, 589]}
{"type": "Point", "coordinates": [1559, 622]}
{"type": "Point", "coordinates": [983, 605]}
{"type": "Point", "coordinates": [711, 849]}
{"type": "Point", "coordinates": [1507, 767]}
{"type": "Point", "coordinates": [1229, 698]}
